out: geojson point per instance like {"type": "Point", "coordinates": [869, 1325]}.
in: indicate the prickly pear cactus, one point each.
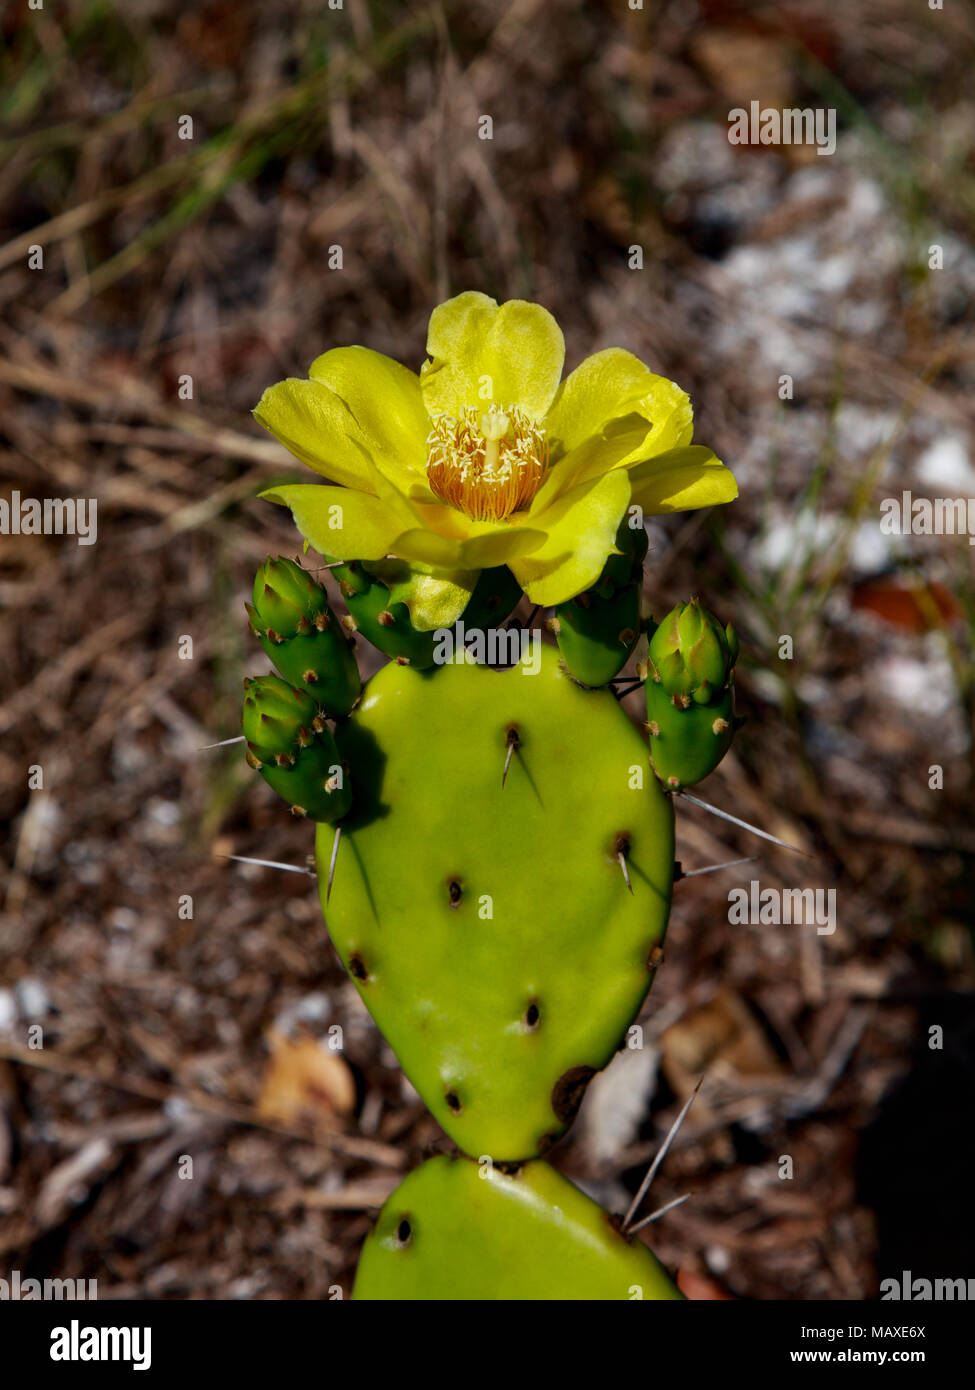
{"type": "Point", "coordinates": [495, 854]}
{"type": "Point", "coordinates": [486, 922]}
{"type": "Point", "coordinates": [458, 1230]}
{"type": "Point", "coordinates": [690, 697]}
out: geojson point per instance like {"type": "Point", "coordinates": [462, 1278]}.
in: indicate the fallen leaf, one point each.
{"type": "Point", "coordinates": [699, 1287]}
{"type": "Point", "coordinates": [305, 1084]}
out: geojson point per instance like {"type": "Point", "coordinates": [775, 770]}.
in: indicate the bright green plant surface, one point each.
{"type": "Point", "coordinates": [598, 629]}
{"type": "Point", "coordinates": [690, 699]}
{"type": "Point", "coordinates": [301, 635]}
{"type": "Point", "coordinates": [459, 1230]}
{"type": "Point", "coordinates": [292, 747]}
{"type": "Point", "coordinates": [489, 928]}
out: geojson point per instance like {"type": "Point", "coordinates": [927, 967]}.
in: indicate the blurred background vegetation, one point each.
{"type": "Point", "coordinates": [315, 128]}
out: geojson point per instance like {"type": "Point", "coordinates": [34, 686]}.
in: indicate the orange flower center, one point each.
{"type": "Point", "coordinates": [486, 464]}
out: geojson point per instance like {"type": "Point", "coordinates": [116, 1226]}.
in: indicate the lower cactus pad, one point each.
{"type": "Point", "coordinates": [456, 1230]}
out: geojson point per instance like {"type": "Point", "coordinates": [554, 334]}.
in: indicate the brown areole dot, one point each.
{"type": "Point", "coordinates": [568, 1091]}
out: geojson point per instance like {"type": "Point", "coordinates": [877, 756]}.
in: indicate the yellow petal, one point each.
{"type": "Point", "coordinates": [318, 428]}
{"type": "Point", "coordinates": [383, 397]}
{"type": "Point", "coordinates": [608, 386]}
{"type": "Point", "coordinates": [480, 352]}
{"type": "Point", "coordinates": [481, 551]}
{"type": "Point", "coordinates": [682, 481]}
{"type": "Point", "coordinates": [581, 527]}
{"type": "Point", "coordinates": [590, 459]}
{"type": "Point", "coordinates": [435, 598]}
{"type": "Point", "coordinates": [337, 521]}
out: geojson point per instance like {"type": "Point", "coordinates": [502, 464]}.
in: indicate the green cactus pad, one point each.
{"type": "Point", "coordinates": [385, 624]}
{"type": "Point", "coordinates": [456, 1230]}
{"type": "Point", "coordinates": [489, 928]}
{"type": "Point", "coordinates": [596, 635]}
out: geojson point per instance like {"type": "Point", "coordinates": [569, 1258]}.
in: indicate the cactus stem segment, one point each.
{"type": "Point", "coordinates": [331, 863]}
{"type": "Point", "coordinates": [659, 1157]}
{"type": "Point", "coordinates": [735, 820]}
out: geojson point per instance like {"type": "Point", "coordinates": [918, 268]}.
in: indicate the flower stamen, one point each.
{"type": "Point", "coordinates": [486, 464]}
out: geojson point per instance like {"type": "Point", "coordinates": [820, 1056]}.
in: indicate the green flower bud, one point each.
{"type": "Point", "coordinates": [286, 600]}
{"type": "Point", "coordinates": [690, 702]}
{"type": "Point", "coordinates": [690, 653]}
{"type": "Point", "coordinates": [300, 634]}
{"type": "Point", "coordinates": [292, 747]}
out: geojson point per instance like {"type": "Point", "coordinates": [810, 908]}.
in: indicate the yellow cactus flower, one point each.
{"type": "Point", "coordinates": [487, 457]}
